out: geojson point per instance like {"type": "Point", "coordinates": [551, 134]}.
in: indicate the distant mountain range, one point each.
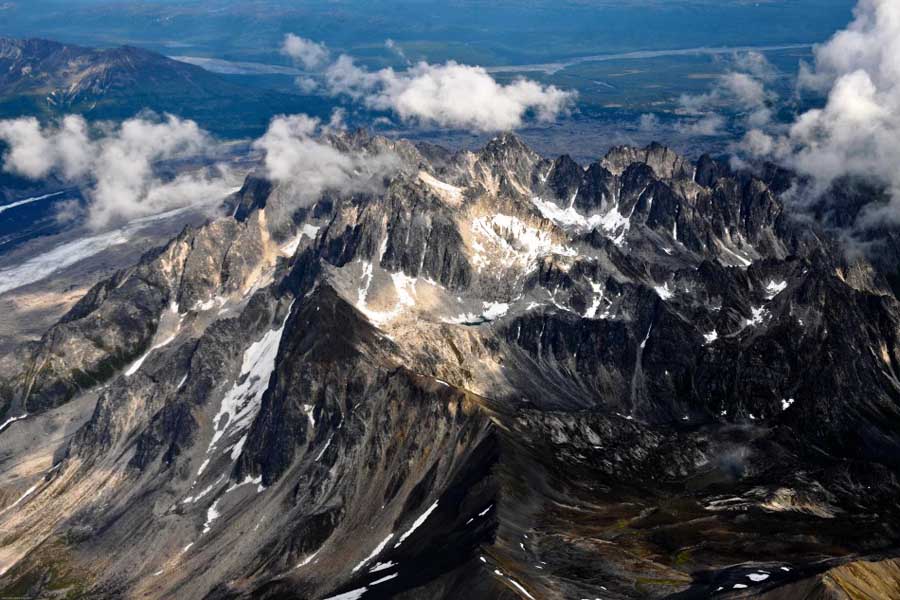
{"type": "Point", "coordinates": [41, 77]}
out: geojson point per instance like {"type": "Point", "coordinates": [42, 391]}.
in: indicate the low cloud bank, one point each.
{"type": "Point", "coordinates": [118, 165]}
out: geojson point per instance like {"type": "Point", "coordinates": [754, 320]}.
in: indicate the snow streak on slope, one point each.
{"type": "Point", "coordinates": [418, 523]}
{"type": "Point", "coordinates": [241, 403]}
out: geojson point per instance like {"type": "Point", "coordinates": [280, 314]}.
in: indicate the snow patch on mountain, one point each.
{"type": "Point", "coordinates": [164, 321]}
{"type": "Point", "coordinates": [241, 403]}
{"type": "Point", "coordinates": [491, 312]}
{"type": "Point", "coordinates": [510, 243]}
{"type": "Point", "coordinates": [12, 420]}
{"type": "Point", "coordinates": [774, 288]}
{"type": "Point", "coordinates": [612, 223]}
{"type": "Point", "coordinates": [758, 315]}
{"type": "Point", "coordinates": [663, 291]}
{"type": "Point", "coordinates": [404, 291]}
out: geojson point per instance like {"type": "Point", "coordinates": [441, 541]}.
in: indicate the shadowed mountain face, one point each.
{"type": "Point", "coordinates": [491, 375]}
{"type": "Point", "coordinates": [45, 78]}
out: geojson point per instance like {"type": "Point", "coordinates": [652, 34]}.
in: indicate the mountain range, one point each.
{"type": "Point", "coordinates": [47, 78]}
{"type": "Point", "coordinates": [486, 374]}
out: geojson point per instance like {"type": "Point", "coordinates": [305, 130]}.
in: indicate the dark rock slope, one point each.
{"type": "Point", "coordinates": [490, 375]}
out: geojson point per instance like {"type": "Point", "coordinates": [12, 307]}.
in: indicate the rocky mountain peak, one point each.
{"type": "Point", "coordinates": [666, 164]}
{"type": "Point", "coordinates": [507, 144]}
{"type": "Point", "coordinates": [506, 165]}
{"type": "Point", "coordinates": [507, 151]}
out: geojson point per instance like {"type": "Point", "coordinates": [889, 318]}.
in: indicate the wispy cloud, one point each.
{"type": "Point", "coordinates": [396, 49]}
{"type": "Point", "coordinates": [305, 52]}
{"type": "Point", "coordinates": [742, 89]}
{"type": "Point", "coordinates": [34, 151]}
{"type": "Point", "coordinates": [707, 125]}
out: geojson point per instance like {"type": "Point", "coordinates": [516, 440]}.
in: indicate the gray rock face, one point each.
{"type": "Point", "coordinates": [116, 322]}
{"type": "Point", "coordinates": [495, 375]}
{"type": "Point", "coordinates": [665, 163]}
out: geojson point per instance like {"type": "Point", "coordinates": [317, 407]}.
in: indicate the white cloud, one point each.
{"type": "Point", "coordinates": [120, 166]}
{"type": "Point", "coordinates": [733, 89]}
{"type": "Point", "coordinates": [117, 164]}
{"type": "Point", "coordinates": [759, 143]}
{"type": "Point", "coordinates": [345, 77]}
{"type": "Point", "coordinates": [745, 89]}
{"type": "Point", "coordinates": [296, 157]}
{"type": "Point", "coordinates": [292, 152]}
{"type": "Point", "coordinates": [33, 154]}
{"type": "Point", "coordinates": [857, 132]}
{"type": "Point", "coordinates": [310, 54]}
{"type": "Point", "coordinates": [448, 95]}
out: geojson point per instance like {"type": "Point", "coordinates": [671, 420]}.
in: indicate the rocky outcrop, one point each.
{"type": "Point", "coordinates": [665, 163]}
